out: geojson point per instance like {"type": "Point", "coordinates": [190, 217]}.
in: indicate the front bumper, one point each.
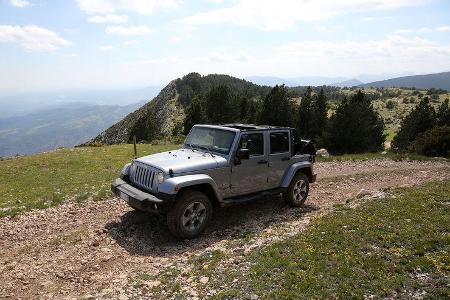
{"type": "Point", "coordinates": [159, 203]}
{"type": "Point", "coordinates": [314, 178]}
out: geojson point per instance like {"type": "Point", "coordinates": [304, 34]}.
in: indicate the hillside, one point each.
{"type": "Point", "coordinates": [63, 126]}
{"type": "Point", "coordinates": [164, 115]}
{"type": "Point", "coordinates": [428, 81]}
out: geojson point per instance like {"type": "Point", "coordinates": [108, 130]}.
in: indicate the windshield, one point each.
{"type": "Point", "coordinates": [210, 139]}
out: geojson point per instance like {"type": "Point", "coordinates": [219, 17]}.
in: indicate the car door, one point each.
{"type": "Point", "coordinates": [279, 156]}
{"type": "Point", "coordinates": [250, 175]}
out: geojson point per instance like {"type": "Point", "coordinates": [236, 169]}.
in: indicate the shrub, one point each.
{"type": "Point", "coordinates": [433, 142]}
{"type": "Point", "coordinates": [391, 104]}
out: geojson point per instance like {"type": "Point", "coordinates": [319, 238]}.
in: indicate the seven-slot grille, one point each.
{"type": "Point", "coordinates": [142, 176]}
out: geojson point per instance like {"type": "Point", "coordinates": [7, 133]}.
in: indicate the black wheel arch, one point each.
{"type": "Point", "coordinates": [204, 188]}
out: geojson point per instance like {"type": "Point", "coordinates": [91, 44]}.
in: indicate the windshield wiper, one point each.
{"type": "Point", "coordinates": [190, 146]}
{"type": "Point", "coordinates": [206, 148]}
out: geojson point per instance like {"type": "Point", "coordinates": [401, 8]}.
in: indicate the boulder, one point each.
{"type": "Point", "coordinates": [323, 153]}
{"type": "Point", "coordinates": [363, 193]}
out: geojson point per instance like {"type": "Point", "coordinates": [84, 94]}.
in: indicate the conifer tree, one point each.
{"type": "Point", "coordinates": [305, 116]}
{"type": "Point", "coordinates": [276, 108]}
{"type": "Point", "coordinates": [420, 119]}
{"type": "Point", "coordinates": [195, 113]}
{"type": "Point", "coordinates": [355, 127]}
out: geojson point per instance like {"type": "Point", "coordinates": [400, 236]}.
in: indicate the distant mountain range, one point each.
{"type": "Point", "coordinates": [21, 104]}
{"type": "Point", "coordinates": [348, 83]}
{"type": "Point", "coordinates": [297, 81]}
{"type": "Point", "coordinates": [322, 80]}
{"type": "Point", "coordinates": [436, 80]}
{"type": "Point", "coordinates": [62, 126]}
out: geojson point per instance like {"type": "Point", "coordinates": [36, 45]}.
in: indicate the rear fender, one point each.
{"type": "Point", "coordinates": [305, 166]}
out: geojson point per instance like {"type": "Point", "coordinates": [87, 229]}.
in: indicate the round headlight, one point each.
{"type": "Point", "coordinates": [160, 177]}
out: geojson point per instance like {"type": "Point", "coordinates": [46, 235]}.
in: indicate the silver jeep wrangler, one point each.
{"type": "Point", "coordinates": [218, 166]}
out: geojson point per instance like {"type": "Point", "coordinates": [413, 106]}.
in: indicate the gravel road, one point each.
{"type": "Point", "coordinates": [95, 249]}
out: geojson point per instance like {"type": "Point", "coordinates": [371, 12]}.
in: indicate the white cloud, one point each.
{"type": "Point", "coordinates": [131, 30]}
{"type": "Point", "coordinates": [443, 29]}
{"type": "Point", "coordinates": [107, 48]}
{"type": "Point", "coordinates": [145, 7]}
{"type": "Point", "coordinates": [392, 53]}
{"type": "Point", "coordinates": [110, 18]}
{"type": "Point", "coordinates": [238, 56]}
{"type": "Point", "coordinates": [423, 30]}
{"type": "Point", "coordinates": [32, 38]}
{"type": "Point", "coordinates": [272, 15]}
{"type": "Point", "coordinates": [131, 42]}
{"type": "Point", "coordinates": [403, 31]}
{"type": "Point", "coordinates": [19, 3]}
{"type": "Point", "coordinates": [368, 19]}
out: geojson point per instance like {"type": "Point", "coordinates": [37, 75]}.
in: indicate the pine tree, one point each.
{"type": "Point", "coordinates": [321, 112]}
{"type": "Point", "coordinates": [420, 119]}
{"type": "Point", "coordinates": [221, 105]}
{"type": "Point", "coordinates": [355, 127]}
{"type": "Point", "coordinates": [443, 114]}
{"type": "Point", "coordinates": [276, 108]}
{"type": "Point", "coordinates": [312, 115]}
{"type": "Point", "coordinates": [305, 116]}
{"type": "Point", "coordinates": [195, 113]}
{"type": "Point", "coordinates": [146, 128]}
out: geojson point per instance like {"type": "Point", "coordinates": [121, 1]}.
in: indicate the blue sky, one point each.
{"type": "Point", "coordinates": [50, 44]}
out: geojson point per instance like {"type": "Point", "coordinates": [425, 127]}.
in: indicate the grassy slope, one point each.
{"type": "Point", "coordinates": [396, 247]}
{"type": "Point", "coordinates": [47, 179]}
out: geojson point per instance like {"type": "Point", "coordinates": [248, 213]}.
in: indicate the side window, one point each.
{"type": "Point", "coordinates": [279, 142]}
{"type": "Point", "coordinates": [253, 142]}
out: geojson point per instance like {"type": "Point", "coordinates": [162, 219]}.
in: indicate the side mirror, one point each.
{"type": "Point", "coordinates": [243, 153]}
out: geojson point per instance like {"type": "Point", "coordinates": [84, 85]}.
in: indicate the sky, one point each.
{"type": "Point", "coordinates": [70, 44]}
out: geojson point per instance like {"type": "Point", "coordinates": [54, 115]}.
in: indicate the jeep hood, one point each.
{"type": "Point", "coordinates": [183, 160]}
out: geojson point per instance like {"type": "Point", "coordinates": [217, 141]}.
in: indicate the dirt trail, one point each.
{"type": "Point", "coordinates": [97, 248]}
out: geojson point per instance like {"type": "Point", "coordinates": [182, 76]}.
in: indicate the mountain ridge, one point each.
{"type": "Point", "coordinates": [164, 115]}
{"type": "Point", "coordinates": [426, 81]}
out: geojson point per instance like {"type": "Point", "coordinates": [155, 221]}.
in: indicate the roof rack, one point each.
{"type": "Point", "coordinates": [246, 127]}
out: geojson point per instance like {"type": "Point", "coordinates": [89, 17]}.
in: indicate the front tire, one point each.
{"type": "Point", "coordinates": [297, 191]}
{"type": "Point", "coordinates": [190, 215]}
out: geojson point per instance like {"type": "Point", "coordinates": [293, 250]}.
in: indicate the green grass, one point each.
{"type": "Point", "coordinates": [206, 264]}
{"type": "Point", "coordinates": [395, 247]}
{"type": "Point", "coordinates": [48, 179]}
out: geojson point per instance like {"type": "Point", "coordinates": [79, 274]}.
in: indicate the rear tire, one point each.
{"type": "Point", "coordinates": [297, 191]}
{"type": "Point", "coordinates": [190, 215]}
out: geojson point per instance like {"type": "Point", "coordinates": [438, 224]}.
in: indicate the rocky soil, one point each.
{"type": "Point", "coordinates": [101, 249]}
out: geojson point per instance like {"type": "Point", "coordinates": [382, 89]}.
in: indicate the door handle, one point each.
{"type": "Point", "coordinates": [262, 162]}
{"type": "Point", "coordinates": [286, 158]}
